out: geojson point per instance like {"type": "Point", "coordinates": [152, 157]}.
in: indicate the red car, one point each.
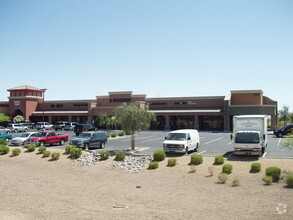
{"type": "Point", "coordinates": [48, 137]}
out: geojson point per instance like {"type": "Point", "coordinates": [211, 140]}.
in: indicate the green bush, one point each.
{"type": "Point", "coordinates": [219, 160]}
{"type": "Point", "coordinates": [196, 159]}
{"type": "Point", "coordinates": [289, 180]}
{"type": "Point", "coordinates": [274, 172]}
{"type": "Point", "coordinates": [46, 153]}
{"type": "Point", "coordinates": [255, 168]}
{"type": "Point", "coordinates": [114, 134]}
{"type": "Point", "coordinates": [159, 155]}
{"type": "Point", "coordinates": [121, 133]}
{"type": "Point", "coordinates": [119, 156]}
{"type": "Point", "coordinates": [153, 165]}
{"type": "Point", "coordinates": [268, 180]}
{"type": "Point", "coordinates": [3, 142]}
{"type": "Point", "coordinates": [42, 149]}
{"type": "Point", "coordinates": [172, 162]}
{"type": "Point", "coordinates": [75, 152]}
{"type": "Point", "coordinates": [227, 168]}
{"type": "Point", "coordinates": [223, 177]}
{"type": "Point", "coordinates": [4, 149]}
{"type": "Point", "coordinates": [69, 148]}
{"type": "Point", "coordinates": [128, 132]}
{"type": "Point", "coordinates": [31, 147]}
{"type": "Point", "coordinates": [104, 155]}
{"type": "Point", "coordinates": [55, 156]}
{"type": "Point", "coordinates": [236, 181]}
{"type": "Point", "coordinates": [16, 152]}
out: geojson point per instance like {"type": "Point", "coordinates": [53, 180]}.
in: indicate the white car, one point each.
{"type": "Point", "coordinates": [5, 129]}
{"type": "Point", "coordinates": [43, 126]}
{"type": "Point", "coordinates": [17, 127]}
{"type": "Point", "coordinates": [22, 138]}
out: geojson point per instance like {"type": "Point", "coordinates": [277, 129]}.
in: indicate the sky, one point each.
{"type": "Point", "coordinates": [80, 49]}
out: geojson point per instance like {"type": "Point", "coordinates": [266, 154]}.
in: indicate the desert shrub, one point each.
{"type": "Point", "coordinates": [75, 152]}
{"type": "Point", "coordinates": [104, 155]}
{"type": "Point", "coordinates": [31, 147]}
{"type": "Point", "coordinates": [114, 134]}
{"type": "Point", "coordinates": [211, 170]}
{"type": "Point", "coordinates": [128, 132]}
{"type": "Point", "coordinates": [274, 172]}
{"type": "Point", "coordinates": [16, 152]}
{"type": "Point", "coordinates": [68, 148]}
{"type": "Point", "coordinates": [4, 149]}
{"type": "Point", "coordinates": [46, 153]}
{"type": "Point", "coordinates": [119, 156]}
{"type": "Point", "coordinates": [289, 179]}
{"type": "Point", "coordinates": [268, 180]}
{"type": "Point", "coordinates": [159, 155]}
{"type": "Point", "coordinates": [236, 181]}
{"type": "Point", "coordinates": [196, 159]}
{"type": "Point", "coordinates": [42, 149]}
{"type": "Point", "coordinates": [121, 133]}
{"type": "Point", "coordinates": [227, 168]}
{"type": "Point", "coordinates": [3, 142]}
{"type": "Point", "coordinates": [153, 165]}
{"type": "Point", "coordinates": [223, 177]}
{"type": "Point", "coordinates": [219, 160]}
{"type": "Point", "coordinates": [172, 162]}
{"type": "Point", "coordinates": [255, 168]}
{"type": "Point", "coordinates": [55, 156]}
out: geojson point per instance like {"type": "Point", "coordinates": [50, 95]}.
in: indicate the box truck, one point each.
{"type": "Point", "coordinates": [249, 134]}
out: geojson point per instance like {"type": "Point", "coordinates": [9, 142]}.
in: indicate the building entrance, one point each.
{"type": "Point", "coordinates": [182, 122]}
{"type": "Point", "coordinates": [211, 123]}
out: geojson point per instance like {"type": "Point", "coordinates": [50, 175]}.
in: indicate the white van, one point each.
{"type": "Point", "coordinates": [181, 141]}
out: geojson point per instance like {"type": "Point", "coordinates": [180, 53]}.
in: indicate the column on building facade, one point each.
{"type": "Point", "coordinates": [50, 119]}
{"type": "Point", "coordinates": [167, 125]}
{"type": "Point", "coordinates": [196, 125]}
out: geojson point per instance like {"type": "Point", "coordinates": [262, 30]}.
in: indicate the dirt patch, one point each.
{"type": "Point", "coordinates": [33, 187]}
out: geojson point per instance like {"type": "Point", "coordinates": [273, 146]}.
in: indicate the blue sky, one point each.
{"type": "Point", "coordinates": [79, 49]}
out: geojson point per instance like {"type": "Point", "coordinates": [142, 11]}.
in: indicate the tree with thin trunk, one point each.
{"type": "Point", "coordinates": [284, 114]}
{"type": "Point", "coordinates": [133, 118]}
{"type": "Point", "coordinates": [4, 118]}
{"type": "Point", "coordinates": [18, 119]}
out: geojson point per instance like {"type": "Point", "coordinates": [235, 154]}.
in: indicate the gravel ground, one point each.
{"type": "Point", "coordinates": [33, 187]}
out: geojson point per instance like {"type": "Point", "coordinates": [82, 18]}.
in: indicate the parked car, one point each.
{"type": "Point", "coordinates": [69, 126]}
{"type": "Point", "coordinates": [29, 124]}
{"type": "Point", "coordinates": [182, 141]}
{"type": "Point", "coordinates": [83, 127]}
{"type": "Point", "coordinates": [5, 135]}
{"type": "Point", "coordinates": [90, 139]}
{"type": "Point", "coordinates": [5, 129]}
{"type": "Point", "coordinates": [43, 126]}
{"type": "Point", "coordinates": [59, 125]}
{"type": "Point", "coordinates": [47, 137]}
{"type": "Point", "coordinates": [17, 127]}
{"type": "Point", "coordinates": [284, 131]}
{"type": "Point", "coordinates": [22, 138]}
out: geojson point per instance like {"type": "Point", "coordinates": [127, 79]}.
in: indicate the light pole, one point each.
{"type": "Point", "coordinates": [44, 90]}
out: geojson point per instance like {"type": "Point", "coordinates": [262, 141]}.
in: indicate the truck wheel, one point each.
{"type": "Point", "coordinates": [41, 144]}
{"type": "Point", "coordinates": [186, 151]}
{"type": "Point", "coordinates": [62, 142]}
{"type": "Point", "coordinates": [15, 131]}
{"type": "Point", "coordinates": [197, 147]}
{"type": "Point", "coordinates": [102, 145]}
{"type": "Point", "coordinates": [86, 146]}
{"type": "Point", "coordinates": [280, 135]}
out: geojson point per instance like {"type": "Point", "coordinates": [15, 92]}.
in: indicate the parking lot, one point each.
{"type": "Point", "coordinates": [211, 144]}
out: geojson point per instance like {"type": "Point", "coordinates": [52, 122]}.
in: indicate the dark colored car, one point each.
{"type": "Point", "coordinates": [90, 139]}
{"type": "Point", "coordinates": [83, 127]}
{"type": "Point", "coordinates": [29, 124]}
{"type": "Point", "coordinates": [284, 131]}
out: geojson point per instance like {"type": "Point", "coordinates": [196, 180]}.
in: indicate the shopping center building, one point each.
{"type": "Point", "coordinates": [200, 112]}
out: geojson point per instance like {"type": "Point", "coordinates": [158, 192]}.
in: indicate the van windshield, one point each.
{"type": "Point", "coordinates": [176, 137]}
{"type": "Point", "coordinates": [251, 138]}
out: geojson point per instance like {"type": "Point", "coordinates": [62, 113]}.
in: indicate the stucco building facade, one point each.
{"type": "Point", "coordinates": [200, 112]}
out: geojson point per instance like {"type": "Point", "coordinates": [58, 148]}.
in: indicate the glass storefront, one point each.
{"type": "Point", "coordinates": [211, 122]}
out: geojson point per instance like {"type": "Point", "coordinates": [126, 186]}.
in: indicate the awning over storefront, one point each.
{"type": "Point", "coordinates": [188, 111]}
{"type": "Point", "coordinates": [39, 113]}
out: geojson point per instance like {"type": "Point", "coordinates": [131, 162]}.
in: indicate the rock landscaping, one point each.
{"type": "Point", "coordinates": [88, 159]}
{"type": "Point", "coordinates": [133, 163]}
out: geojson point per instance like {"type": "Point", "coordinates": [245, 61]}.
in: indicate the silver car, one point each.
{"type": "Point", "coordinates": [17, 127]}
{"type": "Point", "coordinates": [22, 138]}
{"type": "Point", "coordinates": [5, 129]}
{"type": "Point", "coordinates": [43, 126]}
